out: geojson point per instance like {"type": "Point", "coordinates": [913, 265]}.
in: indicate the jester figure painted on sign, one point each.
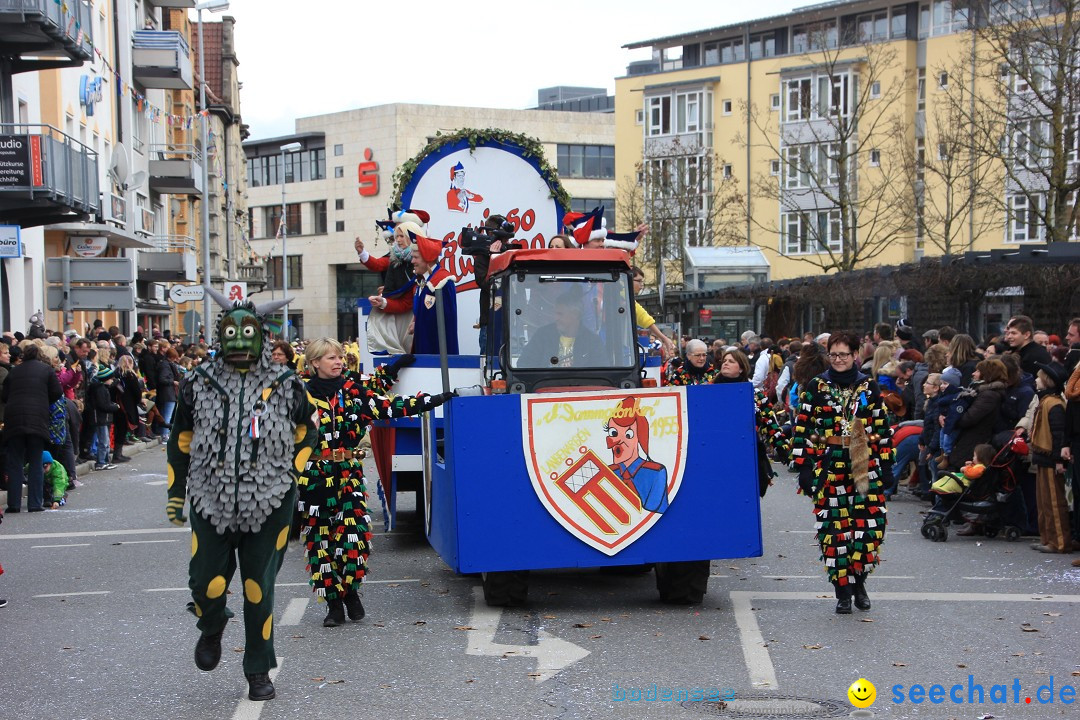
{"type": "Point", "coordinates": [627, 434]}
{"type": "Point", "coordinates": [458, 197]}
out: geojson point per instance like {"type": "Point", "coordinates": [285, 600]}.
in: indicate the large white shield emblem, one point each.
{"type": "Point", "coordinates": [606, 465]}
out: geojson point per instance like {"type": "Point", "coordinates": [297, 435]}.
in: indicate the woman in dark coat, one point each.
{"type": "Point", "coordinates": [127, 393]}
{"type": "Point", "coordinates": [976, 424]}
{"type": "Point", "coordinates": [168, 375]}
{"type": "Point", "coordinates": [29, 391]}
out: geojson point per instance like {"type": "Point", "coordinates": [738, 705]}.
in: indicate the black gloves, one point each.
{"type": "Point", "coordinates": [403, 361]}
{"type": "Point", "coordinates": [437, 400]}
{"type": "Point", "coordinates": [806, 482]}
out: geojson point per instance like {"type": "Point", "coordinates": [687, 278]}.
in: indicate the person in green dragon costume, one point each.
{"type": "Point", "coordinates": [242, 433]}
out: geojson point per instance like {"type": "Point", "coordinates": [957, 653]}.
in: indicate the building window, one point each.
{"type": "Point", "coordinates": [1028, 143]}
{"type": "Point", "coordinates": [920, 90]}
{"type": "Point", "coordinates": [272, 219]}
{"type": "Point", "coordinates": [584, 205]}
{"type": "Point", "coordinates": [811, 232]}
{"type": "Point", "coordinates": [318, 212]}
{"type": "Point", "coordinates": [726, 107]}
{"type": "Point", "coordinates": [875, 89]}
{"type": "Point", "coordinates": [586, 161]}
{"type": "Point", "coordinates": [317, 163]}
{"type": "Point", "coordinates": [798, 159]}
{"type": "Point", "coordinates": [339, 150]}
{"type": "Point", "coordinates": [774, 167]}
{"type": "Point", "coordinates": [920, 159]}
{"type": "Point", "coordinates": [659, 109]}
{"type": "Point", "coordinates": [774, 101]}
{"type": "Point", "coordinates": [294, 167]}
{"type": "Point", "coordinates": [683, 112]}
{"type": "Point", "coordinates": [712, 53]}
{"type": "Point", "coordinates": [942, 152]}
{"type": "Point", "coordinates": [798, 94]}
{"type": "Point", "coordinates": [873, 27]}
{"type": "Point", "coordinates": [339, 204]}
{"type": "Point", "coordinates": [727, 171]}
{"type": "Point", "coordinates": [763, 45]}
{"type": "Point", "coordinates": [815, 36]}
{"type": "Point", "coordinates": [274, 274]}
{"type": "Point", "coordinates": [943, 81]}
{"type": "Point", "coordinates": [875, 158]}
{"type": "Point", "coordinates": [1024, 225]}
{"type": "Point", "coordinates": [339, 226]}
{"type": "Point", "coordinates": [339, 171]}
{"type": "Point", "coordinates": [639, 117]}
{"type": "Point", "coordinates": [948, 16]}
{"type": "Point", "coordinates": [899, 22]}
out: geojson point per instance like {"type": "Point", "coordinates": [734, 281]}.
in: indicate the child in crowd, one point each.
{"type": "Point", "coordinates": [951, 405]}
{"type": "Point", "coordinates": [56, 481]}
{"type": "Point", "coordinates": [930, 438]}
{"type": "Point", "coordinates": [949, 486]}
{"type": "Point", "coordinates": [100, 399]}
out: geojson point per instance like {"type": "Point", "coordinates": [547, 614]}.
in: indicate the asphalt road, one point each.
{"type": "Point", "coordinates": [96, 628]}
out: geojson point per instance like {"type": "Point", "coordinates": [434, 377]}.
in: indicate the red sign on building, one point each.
{"type": "Point", "coordinates": [705, 316]}
{"type": "Point", "coordinates": [368, 175]}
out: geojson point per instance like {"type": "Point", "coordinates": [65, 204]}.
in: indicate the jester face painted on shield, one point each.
{"type": "Point", "coordinates": [242, 432]}
{"type": "Point", "coordinates": [627, 435]}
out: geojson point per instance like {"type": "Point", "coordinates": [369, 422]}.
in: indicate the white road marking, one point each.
{"type": "Point", "coordinates": [92, 533]}
{"type": "Point", "coordinates": [756, 652]}
{"type": "Point", "coordinates": [143, 542]}
{"type": "Point", "coordinates": [995, 578]}
{"type": "Point", "coordinates": [73, 594]}
{"type": "Point", "coordinates": [177, 589]}
{"type": "Point", "coordinates": [294, 613]}
{"type": "Point", "coordinates": [157, 482]}
{"type": "Point", "coordinates": [250, 709]}
{"type": "Point", "coordinates": [35, 547]}
{"type": "Point", "coordinates": [552, 654]}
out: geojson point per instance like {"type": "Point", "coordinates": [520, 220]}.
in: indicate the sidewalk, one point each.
{"type": "Point", "coordinates": [85, 469]}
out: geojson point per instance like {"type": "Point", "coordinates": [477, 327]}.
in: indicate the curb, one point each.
{"type": "Point", "coordinates": [82, 469]}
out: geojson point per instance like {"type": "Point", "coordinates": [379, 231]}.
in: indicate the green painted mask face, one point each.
{"type": "Point", "coordinates": [241, 338]}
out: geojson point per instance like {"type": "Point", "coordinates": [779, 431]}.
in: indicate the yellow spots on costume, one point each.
{"type": "Point", "coordinates": [184, 441]}
{"type": "Point", "coordinates": [266, 393]}
{"type": "Point", "coordinates": [268, 627]}
{"type": "Point", "coordinates": [252, 591]}
{"type": "Point", "coordinates": [194, 544]}
{"type": "Point", "coordinates": [171, 475]}
{"type": "Point", "coordinates": [198, 610]}
{"type": "Point", "coordinates": [282, 538]}
{"type": "Point", "coordinates": [300, 434]}
{"type": "Point", "coordinates": [216, 588]}
{"type": "Point", "coordinates": [301, 459]}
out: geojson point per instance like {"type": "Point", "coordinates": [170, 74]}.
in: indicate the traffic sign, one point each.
{"type": "Point", "coordinates": [180, 294]}
{"type": "Point", "coordinates": [92, 298]}
{"type": "Point", "coordinates": [191, 322]}
{"type": "Point", "coordinates": [90, 270]}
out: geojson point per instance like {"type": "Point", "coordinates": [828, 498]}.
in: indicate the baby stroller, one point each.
{"type": "Point", "coordinates": [986, 500]}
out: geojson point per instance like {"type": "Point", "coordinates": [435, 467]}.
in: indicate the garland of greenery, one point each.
{"type": "Point", "coordinates": [531, 148]}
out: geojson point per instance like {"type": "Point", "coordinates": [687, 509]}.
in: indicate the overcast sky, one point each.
{"type": "Point", "coordinates": [308, 58]}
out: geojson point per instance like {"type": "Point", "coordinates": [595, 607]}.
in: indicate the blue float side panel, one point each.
{"type": "Point", "coordinates": [487, 517]}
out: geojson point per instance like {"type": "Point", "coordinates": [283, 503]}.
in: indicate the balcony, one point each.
{"type": "Point", "coordinates": [173, 3]}
{"type": "Point", "coordinates": [176, 169]}
{"type": "Point", "coordinates": [43, 34]}
{"type": "Point", "coordinates": [253, 275]}
{"type": "Point", "coordinates": [172, 259]}
{"type": "Point", "coordinates": [161, 59]}
{"type": "Point", "coordinates": [46, 176]}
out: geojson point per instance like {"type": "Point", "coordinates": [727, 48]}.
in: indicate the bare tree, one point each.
{"type": "Point", "coordinates": [840, 175]}
{"type": "Point", "coordinates": [1025, 62]}
{"type": "Point", "coordinates": [688, 198]}
{"type": "Point", "coordinates": [949, 190]}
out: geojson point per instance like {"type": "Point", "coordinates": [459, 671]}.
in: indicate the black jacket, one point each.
{"type": "Point", "coordinates": [166, 376]}
{"type": "Point", "coordinates": [148, 364]}
{"type": "Point", "coordinates": [976, 425]}
{"type": "Point", "coordinates": [544, 345]}
{"type": "Point", "coordinates": [100, 397]}
{"type": "Point", "coordinates": [1033, 353]}
{"type": "Point", "coordinates": [29, 391]}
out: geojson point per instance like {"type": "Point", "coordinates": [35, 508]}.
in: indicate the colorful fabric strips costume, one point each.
{"type": "Point", "coordinates": [843, 452]}
{"type": "Point", "coordinates": [332, 494]}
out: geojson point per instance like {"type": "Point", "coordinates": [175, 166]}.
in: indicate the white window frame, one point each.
{"type": "Point", "coordinates": [875, 158]}
{"type": "Point", "coordinates": [943, 80]}
{"type": "Point", "coordinates": [920, 89]}
{"type": "Point", "coordinates": [871, 20]}
{"type": "Point", "coordinates": [726, 106]}
{"type": "Point", "coordinates": [774, 167]}
{"type": "Point", "coordinates": [1023, 219]}
{"type": "Point", "coordinates": [800, 90]}
{"type": "Point", "coordinates": [774, 102]}
{"type": "Point", "coordinates": [875, 90]}
{"type": "Point", "coordinates": [827, 237]}
{"type": "Point", "coordinates": [727, 171]}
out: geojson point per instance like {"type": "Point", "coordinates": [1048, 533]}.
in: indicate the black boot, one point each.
{"type": "Point", "coordinates": [118, 457]}
{"type": "Point", "coordinates": [336, 614]}
{"type": "Point", "coordinates": [843, 599]}
{"type": "Point", "coordinates": [208, 651]}
{"type": "Point", "coordinates": [862, 600]}
{"type": "Point", "coordinates": [260, 687]}
{"type": "Point", "coordinates": [353, 606]}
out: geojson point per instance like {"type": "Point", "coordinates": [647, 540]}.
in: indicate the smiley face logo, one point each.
{"type": "Point", "coordinates": [862, 693]}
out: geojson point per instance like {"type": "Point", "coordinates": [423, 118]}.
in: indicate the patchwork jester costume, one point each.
{"type": "Point", "coordinates": [241, 434]}
{"type": "Point", "coordinates": [332, 494]}
{"type": "Point", "coordinates": [842, 451]}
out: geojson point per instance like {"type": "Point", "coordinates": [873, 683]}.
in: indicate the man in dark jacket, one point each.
{"type": "Point", "coordinates": [29, 391]}
{"type": "Point", "coordinates": [100, 398]}
{"type": "Point", "coordinates": [1018, 336]}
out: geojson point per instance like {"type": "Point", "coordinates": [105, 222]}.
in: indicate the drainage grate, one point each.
{"type": "Point", "coordinates": [764, 707]}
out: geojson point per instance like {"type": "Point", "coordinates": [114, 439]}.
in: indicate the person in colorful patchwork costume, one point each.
{"type": "Point", "coordinates": [336, 527]}
{"type": "Point", "coordinates": [842, 450]}
{"type": "Point", "coordinates": [242, 432]}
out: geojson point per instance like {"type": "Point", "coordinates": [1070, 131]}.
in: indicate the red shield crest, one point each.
{"type": "Point", "coordinates": [606, 465]}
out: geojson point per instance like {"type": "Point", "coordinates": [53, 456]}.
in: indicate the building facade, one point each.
{"type": "Point", "coordinates": [856, 133]}
{"type": "Point", "coordinates": [119, 173]}
{"type": "Point", "coordinates": [341, 181]}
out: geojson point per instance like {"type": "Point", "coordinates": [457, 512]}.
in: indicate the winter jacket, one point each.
{"type": "Point", "coordinates": [976, 425]}
{"type": "Point", "coordinates": [29, 391]}
{"type": "Point", "coordinates": [167, 376]}
{"type": "Point", "coordinates": [951, 406]}
{"type": "Point", "coordinates": [930, 438]}
{"type": "Point", "coordinates": [1031, 354]}
{"type": "Point", "coordinates": [1017, 399]}
{"type": "Point", "coordinates": [100, 397]}
{"type": "Point", "coordinates": [148, 365]}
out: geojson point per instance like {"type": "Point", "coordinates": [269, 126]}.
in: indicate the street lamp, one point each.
{"type": "Point", "coordinates": [212, 6]}
{"type": "Point", "coordinates": [287, 148]}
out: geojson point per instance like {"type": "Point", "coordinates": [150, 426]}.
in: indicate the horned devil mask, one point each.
{"type": "Point", "coordinates": [241, 328]}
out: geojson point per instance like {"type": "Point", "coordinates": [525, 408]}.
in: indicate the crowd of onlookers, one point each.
{"type": "Point", "coordinates": [949, 394]}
